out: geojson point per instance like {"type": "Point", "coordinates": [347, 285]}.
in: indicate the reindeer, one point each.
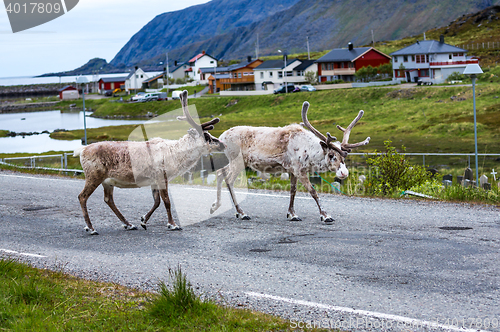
{"type": "Point", "coordinates": [139, 164]}
{"type": "Point", "coordinates": [291, 149]}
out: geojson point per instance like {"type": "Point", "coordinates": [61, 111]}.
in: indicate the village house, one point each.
{"type": "Point", "coordinates": [342, 63]}
{"type": "Point", "coordinates": [134, 80]}
{"type": "Point", "coordinates": [201, 60]}
{"type": "Point", "coordinates": [272, 74]}
{"type": "Point", "coordinates": [429, 60]}
{"type": "Point", "coordinates": [236, 77]}
{"type": "Point", "coordinates": [111, 83]}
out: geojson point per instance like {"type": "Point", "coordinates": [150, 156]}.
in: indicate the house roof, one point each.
{"type": "Point", "coordinates": [149, 80]}
{"type": "Point", "coordinates": [67, 87]}
{"type": "Point", "coordinates": [274, 64]}
{"type": "Point", "coordinates": [305, 64]}
{"type": "Point", "coordinates": [219, 76]}
{"type": "Point", "coordinates": [196, 57]}
{"type": "Point", "coordinates": [343, 54]}
{"type": "Point", "coordinates": [427, 47]}
{"type": "Point", "coordinates": [113, 79]}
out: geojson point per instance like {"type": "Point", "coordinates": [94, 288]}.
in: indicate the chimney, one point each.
{"type": "Point", "coordinates": [350, 46]}
{"type": "Point", "coordinates": [441, 39]}
{"type": "Point", "coordinates": [202, 52]}
{"type": "Point", "coordinates": [249, 58]}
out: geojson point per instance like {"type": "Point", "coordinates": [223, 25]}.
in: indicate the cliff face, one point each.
{"type": "Point", "coordinates": [229, 28]}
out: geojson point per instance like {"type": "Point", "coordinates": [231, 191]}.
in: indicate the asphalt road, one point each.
{"type": "Point", "coordinates": [397, 265]}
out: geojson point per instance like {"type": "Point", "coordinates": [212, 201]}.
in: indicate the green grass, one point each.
{"type": "Point", "coordinates": [42, 300]}
{"type": "Point", "coordinates": [424, 119]}
{"type": "Point", "coordinates": [3, 133]}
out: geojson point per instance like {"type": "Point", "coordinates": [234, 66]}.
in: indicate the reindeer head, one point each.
{"type": "Point", "coordinates": [334, 151]}
{"type": "Point", "coordinates": [201, 130]}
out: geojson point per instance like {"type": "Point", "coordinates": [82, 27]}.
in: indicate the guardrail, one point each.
{"type": "Point", "coordinates": [32, 162]}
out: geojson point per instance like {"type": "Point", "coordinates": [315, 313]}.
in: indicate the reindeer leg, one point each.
{"type": "Point", "coordinates": [90, 187]}
{"type": "Point", "coordinates": [220, 178]}
{"type": "Point", "coordinates": [108, 198]}
{"type": "Point", "coordinates": [145, 218]}
{"type": "Point", "coordinates": [230, 177]}
{"type": "Point", "coordinates": [304, 179]}
{"type": "Point", "coordinates": [293, 189]}
{"type": "Point", "coordinates": [166, 200]}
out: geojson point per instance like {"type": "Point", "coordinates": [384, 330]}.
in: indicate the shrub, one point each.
{"type": "Point", "coordinates": [390, 172]}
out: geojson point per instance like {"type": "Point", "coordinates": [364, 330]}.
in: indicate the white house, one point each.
{"type": "Point", "coordinates": [272, 74]}
{"type": "Point", "coordinates": [429, 60]}
{"type": "Point", "coordinates": [134, 80]}
{"type": "Point", "coordinates": [201, 60]}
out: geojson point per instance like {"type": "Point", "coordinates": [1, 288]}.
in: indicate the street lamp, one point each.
{"type": "Point", "coordinates": [284, 69]}
{"type": "Point", "coordinates": [473, 70]}
{"type": "Point", "coordinates": [83, 80]}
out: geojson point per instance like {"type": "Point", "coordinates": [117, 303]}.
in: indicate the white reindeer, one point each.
{"type": "Point", "coordinates": [291, 149]}
{"type": "Point", "coordinates": [138, 164]}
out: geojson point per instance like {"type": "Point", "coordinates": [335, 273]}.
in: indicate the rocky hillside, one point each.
{"type": "Point", "coordinates": [229, 28]}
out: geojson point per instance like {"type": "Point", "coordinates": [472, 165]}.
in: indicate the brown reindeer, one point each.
{"type": "Point", "coordinates": [138, 164]}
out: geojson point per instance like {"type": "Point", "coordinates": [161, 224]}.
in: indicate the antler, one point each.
{"type": "Point", "coordinates": [345, 145]}
{"type": "Point", "coordinates": [328, 140]}
{"type": "Point", "coordinates": [209, 125]}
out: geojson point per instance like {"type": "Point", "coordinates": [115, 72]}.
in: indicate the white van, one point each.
{"type": "Point", "coordinates": [176, 94]}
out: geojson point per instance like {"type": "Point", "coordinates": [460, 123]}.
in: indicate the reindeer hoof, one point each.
{"type": "Point", "coordinates": [143, 225]}
{"type": "Point", "coordinates": [142, 219]}
{"type": "Point", "coordinates": [243, 216]}
{"type": "Point", "coordinates": [92, 231]}
{"type": "Point", "coordinates": [292, 217]}
{"type": "Point", "coordinates": [174, 227]}
{"type": "Point", "coordinates": [130, 227]}
{"type": "Point", "coordinates": [214, 208]}
{"type": "Point", "coordinates": [327, 220]}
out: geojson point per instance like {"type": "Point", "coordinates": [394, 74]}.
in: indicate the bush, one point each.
{"type": "Point", "coordinates": [391, 173]}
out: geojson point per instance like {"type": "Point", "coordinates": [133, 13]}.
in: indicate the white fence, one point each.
{"type": "Point", "coordinates": [32, 161]}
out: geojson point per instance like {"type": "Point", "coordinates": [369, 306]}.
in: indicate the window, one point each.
{"type": "Point", "coordinates": [424, 73]}
{"type": "Point", "coordinates": [239, 75]}
{"type": "Point", "coordinates": [270, 74]}
{"type": "Point", "coordinates": [395, 59]}
{"type": "Point", "coordinates": [262, 74]}
{"type": "Point", "coordinates": [405, 58]}
{"type": "Point", "coordinates": [450, 56]}
{"type": "Point", "coordinates": [427, 58]}
{"type": "Point", "coordinates": [413, 58]}
{"type": "Point", "coordinates": [421, 58]}
{"type": "Point", "coordinates": [341, 65]}
{"type": "Point", "coordinates": [351, 65]}
{"type": "Point", "coordinates": [280, 74]}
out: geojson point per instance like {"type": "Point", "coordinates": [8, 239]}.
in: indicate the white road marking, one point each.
{"type": "Point", "coordinates": [406, 321]}
{"type": "Point", "coordinates": [21, 253]}
{"type": "Point", "coordinates": [35, 178]}
{"type": "Point", "coordinates": [251, 194]}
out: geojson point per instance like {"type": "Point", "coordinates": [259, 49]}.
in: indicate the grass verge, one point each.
{"type": "Point", "coordinates": [42, 300]}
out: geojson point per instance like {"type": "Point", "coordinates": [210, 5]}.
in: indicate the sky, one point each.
{"type": "Point", "coordinates": [94, 28]}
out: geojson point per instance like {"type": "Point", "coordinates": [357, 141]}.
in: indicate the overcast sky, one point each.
{"type": "Point", "coordinates": [94, 28]}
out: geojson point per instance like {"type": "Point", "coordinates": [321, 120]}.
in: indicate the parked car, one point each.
{"type": "Point", "coordinates": [151, 96]}
{"type": "Point", "coordinates": [281, 89]}
{"type": "Point", "coordinates": [108, 93]}
{"type": "Point", "coordinates": [307, 88]}
{"type": "Point", "coordinates": [138, 96]}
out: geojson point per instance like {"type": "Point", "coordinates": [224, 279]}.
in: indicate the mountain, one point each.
{"type": "Point", "coordinates": [194, 25]}
{"type": "Point", "coordinates": [228, 29]}
{"type": "Point", "coordinates": [94, 65]}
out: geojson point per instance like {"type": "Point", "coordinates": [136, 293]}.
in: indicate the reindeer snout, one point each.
{"type": "Point", "coordinates": [342, 172]}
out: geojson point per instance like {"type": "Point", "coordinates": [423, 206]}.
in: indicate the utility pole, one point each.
{"type": "Point", "coordinates": [373, 39]}
{"type": "Point", "coordinates": [308, 55]}
{"type": "Point", "coordinates": [167, 77]}
{"type": "Point", "coordinates": [257, 48]}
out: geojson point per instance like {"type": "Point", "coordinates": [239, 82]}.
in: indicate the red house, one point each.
{"type": "Point", "coordinates": [68, 95]}
{"type": "Point", "coordinates": [342, 63]}
{"type": "Point", "coordinates": [111, 83]}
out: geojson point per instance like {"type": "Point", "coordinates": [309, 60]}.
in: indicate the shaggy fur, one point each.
{"type": "Point", "coordinates": [291, 149]}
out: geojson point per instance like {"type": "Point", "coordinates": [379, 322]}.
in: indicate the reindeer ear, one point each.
{"type": "Point", "coordinates": [324, 146]}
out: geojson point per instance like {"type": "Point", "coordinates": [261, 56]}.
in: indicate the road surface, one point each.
{"type": "Point", "coordinates": [393, 265]}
